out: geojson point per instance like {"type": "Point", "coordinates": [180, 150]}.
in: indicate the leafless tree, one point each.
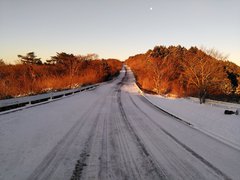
{"type": "Point", "coordinates": [204, 74]}
{"type": "Point", "coordinates": [157, 65]}
{"type": "Point", "coordinates": [88, 57]}
{"type": "Point", "coordinates": [215, 53]}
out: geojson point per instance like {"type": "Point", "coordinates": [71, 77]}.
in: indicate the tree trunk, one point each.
{"type": "Point", "coordinates": [202, 96]}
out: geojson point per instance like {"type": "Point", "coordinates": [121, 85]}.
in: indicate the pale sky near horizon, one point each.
{"type": "Point", "coordinates": [116, 28]}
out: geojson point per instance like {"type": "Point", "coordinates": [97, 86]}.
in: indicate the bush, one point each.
{"type": "Point", "coordinates": [27, 79]}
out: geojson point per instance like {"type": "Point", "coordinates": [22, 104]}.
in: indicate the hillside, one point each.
{"type": "Point", "coordinates": [177, 71]}
{"type": "Point", "coordinates": [63, 71]}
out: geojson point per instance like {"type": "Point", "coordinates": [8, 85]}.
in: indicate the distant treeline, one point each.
{"type": "Point", "coordinates": [177, 71]}
{"type": "Point", "coordinates": [63, 71]}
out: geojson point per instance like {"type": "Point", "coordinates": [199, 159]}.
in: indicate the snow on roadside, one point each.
{"type": "Point", "coordinates": [27, 136]}
{"type": "Point", "coordinates": [209, 117]}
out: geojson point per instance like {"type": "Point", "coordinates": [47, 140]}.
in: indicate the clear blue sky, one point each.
{"type": "Point", "coordinates": [116, 28]}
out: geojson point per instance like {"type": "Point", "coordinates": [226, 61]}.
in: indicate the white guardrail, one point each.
{"type": "Point", "coordinates": [13, 103]}
{"type": "Point", "coordinates": [222, 104]}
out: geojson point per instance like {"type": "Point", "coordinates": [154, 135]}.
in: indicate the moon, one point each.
{"type": "Point", "coordinates": [151, 8]}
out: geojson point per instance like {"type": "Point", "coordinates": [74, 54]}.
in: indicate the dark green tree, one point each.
{"type": "Point", "coordinates": [30, 58]}
{"type": "Point", "coordinates": [2, 62]}
{"type": "Point", "coordinates": [160, 52]}
{"type": "Point", "coordinates": [69, 62]}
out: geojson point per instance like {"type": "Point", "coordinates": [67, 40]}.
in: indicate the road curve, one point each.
{"type": "Point", "coordinates": [110, 132]}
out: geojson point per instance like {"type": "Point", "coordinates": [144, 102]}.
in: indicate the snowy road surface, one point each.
{"type": "Point", "coordinates": [109, 133]}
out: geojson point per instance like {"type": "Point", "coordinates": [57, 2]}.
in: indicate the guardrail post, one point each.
{"type": "Point", "coordinates": [51, 95]}
{"type": "Point", "coordinates": [30, 100]}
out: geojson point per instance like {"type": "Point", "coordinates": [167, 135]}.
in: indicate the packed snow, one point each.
{"type": "Point", "coordinates": [209, 117]}
{"type": "Point", "coordinates": [110, 132]}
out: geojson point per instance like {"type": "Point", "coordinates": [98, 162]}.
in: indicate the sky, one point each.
{"type": "Point", "coordinates": [116, 28]}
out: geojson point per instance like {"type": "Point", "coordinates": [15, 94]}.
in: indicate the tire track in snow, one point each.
{"type": "Point", "coordinates": [127, 157]}
{"type": "Point", "coordinates": [50, 163]}
{"type": "Point", "coordinates": [115, 153]}
{"type": "Point", "coordinates": [107, 149]}
{"type": "Point", "coordinates": [85, 153]}
{"type": "Point", "coordinates": [205, 132]}
{"type": "Point", "coordinates": [196, 155]}
{"type": "Point", "coordinates": [162, 173]}
{"type": "Point", "coordinates": [93, 162]}
{"type": "Point", "coordinates": [91, 148]}
{"type": "Point", "coordinates": [95, 159]}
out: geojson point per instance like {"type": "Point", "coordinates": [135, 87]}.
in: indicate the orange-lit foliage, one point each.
{"type": "Point", "coordinates": [178, 71]}
{"type": "Point", "coordinates": [26, 79]}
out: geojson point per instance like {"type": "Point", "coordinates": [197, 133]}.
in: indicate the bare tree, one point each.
{"type": "Point", "coordinates": [204, 74]}
{"type": "Point", "coordinates": [214, 53]}
{"type": "Point", "coordinates": [88, 57]}
{"type": "Point", "coordinates": [157, 65]}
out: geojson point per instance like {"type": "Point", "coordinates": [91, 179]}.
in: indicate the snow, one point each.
{"type": "Point", "coordinates": [219, 153]}
{"type": "Point", "coordinates": [209, 117]}
{"type": "Point", "coordinates": [110, 132]}
{"type": "Point", "coordinates": [49, 95]}
{"type": "Point", "coordinates": [35, 135]}
{"type": "Point", "coordinates": [28, 135]}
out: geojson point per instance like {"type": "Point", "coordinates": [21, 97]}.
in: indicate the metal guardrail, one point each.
{"type": "Point", "coordinates": [217, 103]}
{"type": "Point", "coordinates": [13, 104]}
{"type": "Point", "coordinates": [7, 104]}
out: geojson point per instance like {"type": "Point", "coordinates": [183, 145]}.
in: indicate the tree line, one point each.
{"type": "Point", "coordinates": [62, 71]}
{"type": "Point", "coordinates": [177, 71]}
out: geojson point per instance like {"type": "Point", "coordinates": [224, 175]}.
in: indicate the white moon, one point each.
{"type": "Point", "coordinates": [151, 8]}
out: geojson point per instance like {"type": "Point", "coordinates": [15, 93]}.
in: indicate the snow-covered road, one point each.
{"type": "Point", "coordinates": [110, 132]}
